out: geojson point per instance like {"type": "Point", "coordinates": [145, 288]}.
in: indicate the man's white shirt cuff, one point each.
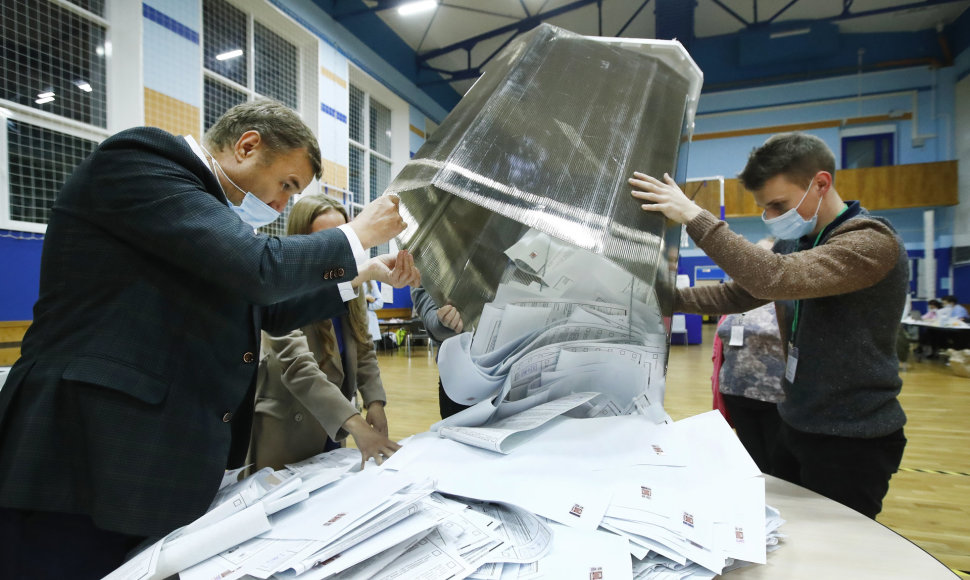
{"type": "Point", "coordinates": [346, 289]}
{"type": "Point", "coordinates": [347, 292]}
{"type": "Point", "coordinates": [360, 255]}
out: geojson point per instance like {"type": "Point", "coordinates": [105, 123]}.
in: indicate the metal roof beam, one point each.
{"type": "Point", "coordinates": [731, 12]}
{"type": "Point", "coordinates": [847, 5]}
{"type": "Point", "coordinates": [782, 11]}
{"type": "Point", "coordinates": [520, 27]}
{"type": "Point", "coordinates": [632, 18]}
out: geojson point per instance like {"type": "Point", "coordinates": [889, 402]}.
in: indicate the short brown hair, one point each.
{"type": "Point", "coordinates": [797, 156]}
{"type": "Point", "coordinates": [278, 125]}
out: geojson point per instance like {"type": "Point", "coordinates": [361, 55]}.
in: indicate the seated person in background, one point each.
{"type": "Point", "coordinates": [307, 378]}
{"type": "Point", "coordinates": [441, 323]}
{"type": "Point", "coordinates": [957, 310]}
{"type": "Point", "coordinates": [932, 309]}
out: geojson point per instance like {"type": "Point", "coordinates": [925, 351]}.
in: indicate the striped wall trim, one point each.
{"type": "Point", "coordinates": [327, 73]}
{"type": "Point", "coordinates": [169, 23]}
{"type": "Point", "coordinates": [333, 112]}
{"type": "Point", "coordinates": [417, 131]}
{"type": "Point", "coordinates": [800, 127]}
{"type": "Point", "coordinates": [938, 471]}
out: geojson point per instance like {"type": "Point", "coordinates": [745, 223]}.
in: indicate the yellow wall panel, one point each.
{"type": "Point", "coordinates": [172, 115]}
{"type": "Point", "coordinates": [334, 175]}
{"type": "Point", "coordinates": [888, 187]}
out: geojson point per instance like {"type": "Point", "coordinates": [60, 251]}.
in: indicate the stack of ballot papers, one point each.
{"type": "Point", "coordinates": [550, 333]}
{"type": "Point", "coordinates": [609, 497]}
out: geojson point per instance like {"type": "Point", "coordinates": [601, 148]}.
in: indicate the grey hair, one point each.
{"type": "Point", "coordinates": [278, 125]}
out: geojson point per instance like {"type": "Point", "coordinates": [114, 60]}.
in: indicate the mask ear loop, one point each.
{"type": "Point", "coordinates": [820, 195]}
{"type": "Point", "coordinates": [212, 160]}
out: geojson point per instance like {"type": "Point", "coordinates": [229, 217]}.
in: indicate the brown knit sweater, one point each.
{"type": "Point", "coordinates": [851, 287]}
{"type": "Point", "coordinates": [856, 254]}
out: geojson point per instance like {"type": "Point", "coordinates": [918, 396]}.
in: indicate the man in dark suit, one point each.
{"type": "Point", "coordinates": [134, 390]}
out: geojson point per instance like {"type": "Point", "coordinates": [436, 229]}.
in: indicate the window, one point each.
{"type": "Point", "coordinates": [54, 60]}
{"type": "Point", "coordinates": [40, 161]}
{"type": "Point", "coordinates": [243, 60]}
{"type": "Point", "coordinates": [53, 101]}
{"type": "Point", "coordinates": [370, 151]}
{"type": "Point", "coordinates": [874, 150]}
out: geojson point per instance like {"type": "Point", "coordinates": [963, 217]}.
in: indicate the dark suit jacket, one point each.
{"type": "Point", "coordinates": [135, 386]}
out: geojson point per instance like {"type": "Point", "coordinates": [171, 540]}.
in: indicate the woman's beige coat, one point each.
{"type": "Point", "coordinates": [301, 398]}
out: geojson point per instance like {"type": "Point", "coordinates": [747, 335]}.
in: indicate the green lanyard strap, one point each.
{"type": "Point", "coordinates": [798, 303]}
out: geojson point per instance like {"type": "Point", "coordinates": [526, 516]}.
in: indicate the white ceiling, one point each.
{"type": "Point", "coordinates": [456, 20]}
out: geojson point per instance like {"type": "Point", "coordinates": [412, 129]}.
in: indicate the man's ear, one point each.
{"type": "Point", "coordinates": [824, 181]}
{"type": "Point", "coordinates": [246, 145]}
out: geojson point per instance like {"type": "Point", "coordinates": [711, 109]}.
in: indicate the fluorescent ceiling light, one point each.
{"type": "Point", "coordinates": [49, 94]}
{"type": "Point", "coordinates": [416, 7]}
{"type": "Point", "coordinates": [43, 100]}
{"type": "Point", "coordinates": [84, 86]}
{"type": "Point", "coordinates": [231, 54]}
{"type": "Point", "coordinates": [793, 32]}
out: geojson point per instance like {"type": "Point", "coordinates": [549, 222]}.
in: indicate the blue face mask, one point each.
{"type": "Point", "coordinates": [791, 225]}
{"type": "Point", "coordinates": [254, 211]}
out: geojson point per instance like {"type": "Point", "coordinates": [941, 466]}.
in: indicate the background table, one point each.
{"type": "Point", "coordinates": [827, 540]}
{"type": "Point", "coordinates": [948, 336]}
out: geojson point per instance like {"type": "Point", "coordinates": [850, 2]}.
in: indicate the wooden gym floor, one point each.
{"type": "Point", "coordinates": [928, 500]}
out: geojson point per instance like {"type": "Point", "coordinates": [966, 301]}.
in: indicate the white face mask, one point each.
{"type": "Point", "coordinates": [791, 225]}
{"type": "Point", "coordinates": [252, 210]}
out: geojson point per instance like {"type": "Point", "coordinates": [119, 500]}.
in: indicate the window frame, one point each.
{"type": "Point", "coordinates": [400, 124]}
{"type": "Point", "coordinates": [873, 134]}
{"type": "Point", "coordinates": [124, 106]}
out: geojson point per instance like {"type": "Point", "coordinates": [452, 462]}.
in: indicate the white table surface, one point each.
{"type": "Point", "coordinates": [828, 541]}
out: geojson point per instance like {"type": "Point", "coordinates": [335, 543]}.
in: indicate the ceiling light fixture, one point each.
{"type": "Point", "coordinates": [793, 32]}
{"type": "Point", "coordinates": [43, 100]}
{"type": "Point", "coordinates": [416, 7]}
{"type": "Point", "coordinates": [231, 54]}
{"type": "Point", "coordinates": [44, 95]}
{"type": "Point", "coordinates": [84, 86]}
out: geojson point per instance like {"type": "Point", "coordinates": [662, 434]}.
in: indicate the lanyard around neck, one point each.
{"type": "Point", "coordinates": [798, 303]}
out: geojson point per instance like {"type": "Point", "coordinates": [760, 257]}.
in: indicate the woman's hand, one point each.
{"type": "Point", "coordinates": [398, 270]}
{"type": "Point", "coordinates": [370, 441]}
{"type": "Point", "coordinates": [376, 417]}
{"type": "Point", "coordinates": [449, 316]}
{"type": "Point", "coordinates": [665, 197]}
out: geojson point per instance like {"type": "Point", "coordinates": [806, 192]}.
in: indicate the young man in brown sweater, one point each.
{"type": "Point", "coordinates": [839, 278]}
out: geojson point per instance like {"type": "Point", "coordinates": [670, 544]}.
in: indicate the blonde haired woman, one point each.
{"type": "Point", "coordinates": [308, 377]}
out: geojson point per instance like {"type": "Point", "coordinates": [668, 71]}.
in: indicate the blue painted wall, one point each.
{"type": "Point", "coordinates": [20, 264]}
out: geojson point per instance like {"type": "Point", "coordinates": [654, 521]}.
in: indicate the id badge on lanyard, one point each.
{"type": "Point", "coordinates": [792, 363]}
{"type": "Point", "coordinates": [737, 333]}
